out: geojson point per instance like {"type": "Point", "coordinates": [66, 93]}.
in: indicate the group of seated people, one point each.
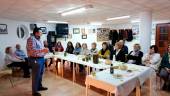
{"type": "Point", "coordinates": [119, 52]}
{"type": "Point", "coordinates": [17, 58]}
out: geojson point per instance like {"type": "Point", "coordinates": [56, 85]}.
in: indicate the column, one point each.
{"type": "Point", "coordinates": [145, 30]}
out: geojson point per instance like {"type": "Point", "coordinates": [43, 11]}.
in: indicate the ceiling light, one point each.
{"type": "Point", "coordinates": [115, 18]}
{"type": "Point", "coordinates": [56, 22]}
{"type": "Point", "coordinates": [135, 21]}
{"type": "Point", "coordinates": [96, 23]}
{"type": "Point", "coordinates": [75, 11]}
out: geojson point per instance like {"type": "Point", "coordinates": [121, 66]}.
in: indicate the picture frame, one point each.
{"type": "Point", "coordinates": [84, 36]}
{"type": "Point", "coordinates": [76, 30]}
{"type": "Point", "coordinates": [3, 29]}
{"type": "Point", "coordinates": [44, 30]}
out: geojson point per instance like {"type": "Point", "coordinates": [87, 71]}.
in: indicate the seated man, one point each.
{"type": "Point", "coordinates": [165, 69]}
{"type": "Point", "coordinates": [124, 47]}
{"type": "Point", "coordinates": [20, 53]}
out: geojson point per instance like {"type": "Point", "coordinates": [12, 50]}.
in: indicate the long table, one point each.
{"type": "Point", "coordinates": [77, 59]}
{"type": "Point", "coordinates": [126, 84]}
{"type": "Point", "coordinates": [104, 80]}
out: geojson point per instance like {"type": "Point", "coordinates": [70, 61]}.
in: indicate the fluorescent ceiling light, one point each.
{"type": "Point", "coordinates": [115, 18]}
{"type": "Point", "coordinates": [135, 21]}
{"type": "Point", "coordinates": [96, 23]}
{"type": "Point", "coordinates": [75, 11]}
{"type": "Point", "coordinates": [56, 22]}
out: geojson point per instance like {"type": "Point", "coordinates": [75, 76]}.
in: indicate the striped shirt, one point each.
{"type": "Point", "coordinates": [34, 47]}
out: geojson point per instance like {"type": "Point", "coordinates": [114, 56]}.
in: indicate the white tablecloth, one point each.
{"type": "Point", "coordinates": [120, 86]}
{"type": "Point", "coordinates": [78, 59]}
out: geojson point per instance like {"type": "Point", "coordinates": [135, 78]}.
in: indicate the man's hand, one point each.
{"type": "Point", "coordinates": [45, 50]}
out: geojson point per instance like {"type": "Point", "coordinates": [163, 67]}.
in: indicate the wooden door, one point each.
{"type": "Point", "coordinates": [162, 37]}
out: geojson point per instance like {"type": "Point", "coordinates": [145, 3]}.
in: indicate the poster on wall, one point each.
{"type": "Point", "coordinates": [103, 34]}
{"type": "Point", "coordinates": [3, 29]}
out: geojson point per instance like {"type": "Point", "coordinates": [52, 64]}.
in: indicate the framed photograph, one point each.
{"type": "Point", "coordinates": [44, 30]}
{"type": "Point", "coordinates": [84, 36]}
{"type": "Point", "coordinates": [76, 30]}
{"type": "Point", "coordinates": [3, 29]}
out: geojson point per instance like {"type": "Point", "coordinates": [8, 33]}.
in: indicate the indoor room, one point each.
{"type": "Point", "coordinates": [84, 48]}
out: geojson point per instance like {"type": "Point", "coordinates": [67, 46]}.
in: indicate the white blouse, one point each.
{"type": "Point", "coordinates": [154, 59]}
{"type": "Point", "coordinates": [11, 58]}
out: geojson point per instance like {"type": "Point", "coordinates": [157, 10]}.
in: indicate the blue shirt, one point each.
{"type": "Point", "coordinates": [20, 53]}
{"type": "Point", "coordinates": [77, 51]}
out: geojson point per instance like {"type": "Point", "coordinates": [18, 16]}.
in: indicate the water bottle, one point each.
{"type": "Point", "coordinates": [111, 69]}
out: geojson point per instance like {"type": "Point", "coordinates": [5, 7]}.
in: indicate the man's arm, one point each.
{"type": "Point", "coordinates": [32, 51]}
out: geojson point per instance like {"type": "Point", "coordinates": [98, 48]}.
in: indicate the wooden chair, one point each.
{"type": "Point", "coordinates": [157, 74]}
{"type": "Point", "coordinates": [7, 75]}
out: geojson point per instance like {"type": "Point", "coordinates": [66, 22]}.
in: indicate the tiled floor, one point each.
{"type": "Point", "coordinates": [57, 86]}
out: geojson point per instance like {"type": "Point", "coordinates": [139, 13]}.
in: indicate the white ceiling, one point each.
{"type": "Point", "coordinates": [42, 10]}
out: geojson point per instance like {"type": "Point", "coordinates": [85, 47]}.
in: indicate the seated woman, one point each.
{"type": "Point", "coordinates": [118, 53]}
{"type": "Point", "coordinates": [165, 69]}
{"type": "Point", "coordinates": [59, 47]}
{"type": "Point", "coordinates": [152, 57]}
{"type": "Point", "coordinates": [135, 56]}
{"type": "Point", "coordinates": [77, 49]}
{"type": "Point", "coordinates": [104, 52]}
{"type": "Point", "coordinates": [14, 61]}
{"type": "Point", "coordinates": [69, 48]}
{"type": "Point", "coordinates": [93, 50]}
{"type": "Point", "coordinates": [84, 50]}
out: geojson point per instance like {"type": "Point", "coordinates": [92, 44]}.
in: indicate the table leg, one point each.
{"type": "Point", "coordinates": [87, 90]}
{"type": "Point", "coordinates": [74, 75]}
{"type": "Point", "coordinates": [62, 68]}
{"type": "Point", "coordinates": [150, 87]}
{"type": "Point", "coordinates": [87, 70]}
{"type": "Point", "coordinates": [138, 91]}
{"type": "Point", "coordinates": [107, 93]}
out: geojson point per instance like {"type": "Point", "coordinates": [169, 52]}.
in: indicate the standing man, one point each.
{"type": "Point", "coordinates": [36, 52]}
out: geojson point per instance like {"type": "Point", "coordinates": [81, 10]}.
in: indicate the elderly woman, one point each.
{"type": "Point", "coordinates": [152, 57]}
{"type": "Point", "coordinates": [135, 56]}
{"type": "Point", "coordinates": [165, 69]}
{"type": "Point", "coordinates": [14, 61]}
{"type": "Point", "coordinates": [93, 50]}
{"type": "Point", "coordinates": [85, 50]}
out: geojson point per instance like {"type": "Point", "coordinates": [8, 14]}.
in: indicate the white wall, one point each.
{"type": "Point", "coordinates": [11, 38]}
{"type": "Point", "coordinates": [91, 37]}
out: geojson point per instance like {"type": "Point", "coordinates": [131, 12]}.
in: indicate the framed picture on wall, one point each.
{"type": "Point", "coordinates": [76, 30]}
{"type": "Point", "coordinates": [84, 36]}
{"type": "Point", "coordinates": [3, 29]}
{"type": "Point", "coordinates": [44, 30]}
